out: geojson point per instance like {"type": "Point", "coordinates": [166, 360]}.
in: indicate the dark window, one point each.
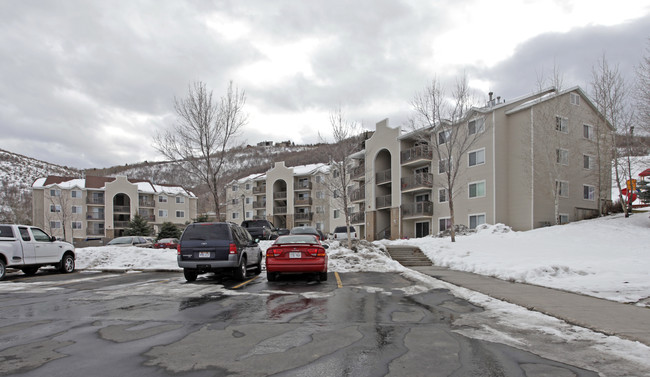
{"type": "Point", "coordinates": [206, 232]}
{"type": "Point", "coordinates": [6, 231]}
{"type": "Point", "coordinates": [24, 234]}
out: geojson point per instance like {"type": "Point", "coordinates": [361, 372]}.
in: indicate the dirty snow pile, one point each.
{"type": "Point", "coordinates": [607, 257]}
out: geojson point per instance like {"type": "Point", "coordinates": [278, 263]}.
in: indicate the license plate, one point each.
{"type": "Point", "coordinates": [204, 254]}
{"type": "Point", "coordinates": [295, 254]}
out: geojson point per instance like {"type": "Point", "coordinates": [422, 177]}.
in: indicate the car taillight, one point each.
{"type": "Point", "coordinates": [271, 252]}
{"type": "Point", "coordinates": [316, 252]}
{"type": "Point", "coordinates": [178, 249]}
{"type": "Point", "coordinates": [232, 249]}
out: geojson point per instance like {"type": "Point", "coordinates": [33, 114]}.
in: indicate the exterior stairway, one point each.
{"type": "Point", "coordinates": [408, 256]}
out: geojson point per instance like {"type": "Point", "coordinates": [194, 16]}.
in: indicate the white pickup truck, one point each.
{"type": "Point", "coordinates": [28, 248]}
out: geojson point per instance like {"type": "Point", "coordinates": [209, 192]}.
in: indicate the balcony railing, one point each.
{"type": "Point", "coordinates": [302, 202]}
{"type": "Point", "coordinates": [280, 195]}
{"type": "Point", "coordinates": [151, 218]}
{"type": "Point", "coordinates": [358, 172]}
{"type": "Point", "coordinates": [383, 201]}
{"type": "Point", "coordinates": [304, 216]}
{"type": "Point", "coordinates": [121, 209]}
{"type": "Point", "coordinates": [95, 200]}
{"type": "Point", "coordinates": [416, 181]}
{"type": "Point", "coordinates": [358, 194]}
{"type": "Point", "coordinates": [94, 216]}
{"type": "Point", "coordinates": [417, 209]}
{"type": "Point", "coordinates": [421, 152]}
{"type": "Point", "coordinates": [358, 218]}
{"type": "Point", "coordinates": [259, 205]}
{"type": "Point", "coordinates": [120, 224]}
{"type": "Point", "coordinates": [280, 210]}
{"type": "Point", "coordinates": [146, 203]}
{"type": "Point", "coordinates": [382, 177]}
{"type": "Point", "coordinates": [92, 230]}
{"type": "Point", "coordinates": [258, 190]}
{"type": "Point", "coordinates": [259, 217]}
{"type": "Point", "coordinates": [303, 186]}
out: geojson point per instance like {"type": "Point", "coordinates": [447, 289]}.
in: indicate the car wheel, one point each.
{"type": "Point", "coordinates": [30, 271]}
{"type": "Point", "coordinates": [190, 274]}
{"type": "Point", "coordinates": [2, 269]}
{"type": "Point", "coordinates": [271, 276]}
{"type": "Point", "coordinates": [322, 276]}
{"type": "Point", "coordinates": [67, 264]}
{"type": "Point", "coordinates": [240, 272]}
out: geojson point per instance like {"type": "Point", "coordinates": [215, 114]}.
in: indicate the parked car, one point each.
{"type": "Point", "coordinates": [341, 233]}
{"type": "Point", "coordinates": [130, 241]}
{"type": "Point", "coordinates": [260, 229]}
{"type": "Point", "coordinates": [308, 230]}
{"type": "Point", "coordinates": [166, 243]}
{"type": "Point", "coordinates": [301, 253]}
{"type": "Point", "coordinates": [29, 248]}
{"type": "Point", "coordinates": [218, 247]}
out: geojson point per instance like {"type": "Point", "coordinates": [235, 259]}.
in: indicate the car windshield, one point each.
{"type": "Point", "coordinates": [203, 232]}
{"type": "Point", "coordinates": [121, 241]}
{"type": "Point", "coordinates": [304, 231]}
{"type": "Point", "coordinates": [296, 239]}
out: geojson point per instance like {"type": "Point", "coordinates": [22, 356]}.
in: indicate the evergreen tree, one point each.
{"type": "Point", "coordinates": [201, 219]}
{"type": "Point", "coordinates": [169, 230]}
{"type": "Point", "coordinates": [138, 226]}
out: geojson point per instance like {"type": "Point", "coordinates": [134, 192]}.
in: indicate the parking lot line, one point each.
{"type": "Point", "coordinates": [244, 283]}
{"type": "Point", "coordinates": [338, 280]}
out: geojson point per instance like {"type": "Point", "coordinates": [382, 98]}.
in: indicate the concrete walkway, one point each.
{"type": "Point", "coordinates": [609, 317]}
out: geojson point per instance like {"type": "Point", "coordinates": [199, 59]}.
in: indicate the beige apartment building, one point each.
{"type": "Point", "coordinates": [101, 207]}
{"type": "Point", "coordinates": [286, 196]}
{"type": "Point", "coordinates": [531, 155]}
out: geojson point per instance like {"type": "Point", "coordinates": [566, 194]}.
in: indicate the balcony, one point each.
{"type": "Point", "coordinates": [383, 201]}
{"type": "Point", "coordinates": [149, 217]}
{"type": "Point", "coordinates": [94, 216]}
{"type": "Point", "coordinates": [302, 202]}
{"type": "Point", "coordinates": [383, 177]}
{"type": "Point", "coordinates": [417, 181]}
{"type": "Point", "coordinates": [146, 203]}
{"type": "Point", "coordinates": [358, 218]}
{"type": "Point", "coordinates": [259, 217]}
{"type": "Point", "coordinates": [95, 200]}
{"type": "Point", "coordinates": [417, 209]}
{"type": "Point", "coordinates": [358, 172]}
{"type": "Point", "coordinates": [259, 205]}
{"type": "Point", "coordinates": [282, 195]}
{"type": "Point", "coordinates": [259, 190]}
{"type": "Point", "coordinates": [95, 229]}
{"type": "Point", "coordinates": [279, 210]}
{"type": "Point", "coordinates": [358, 195]}
{"type": "Point", "coordinates": [304, 185]}
{"type": "Point", "coordinates": [416, 154]}
{"type": "Point", "coordinates": [121, 209]}
{"type": "Point", "coordinates": [120, 224]}
{"type": "Point", "coordinates": [308, 216]}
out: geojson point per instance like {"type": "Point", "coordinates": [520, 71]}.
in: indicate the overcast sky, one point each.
{"type": "Point", "coordinates": [89, 83]}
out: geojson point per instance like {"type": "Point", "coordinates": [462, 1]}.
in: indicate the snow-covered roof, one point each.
{"type": "Point", "coordinates": [100, 183]}
{"type": "Point", "coordinates": [308, 169]}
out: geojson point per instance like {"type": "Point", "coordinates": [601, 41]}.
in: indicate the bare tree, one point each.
{"type": "Point", "coordinates": [204, 130]}
{"type": "Point", "coordinates": [445, 115]}
{"type": "Point", "coordinates": [61, 210]}
{"type": "Point", "coordinates": [610, 93]}
{"type": "Point", "coordinates": [643, 90]}
{"type": "Point", "coordinates": [346, 135]}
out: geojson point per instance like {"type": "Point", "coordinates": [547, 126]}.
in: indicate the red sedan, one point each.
{"type": "Point", "coordinates": [166, 243]}
{"type": "Point", "coordinates": [296, 254]}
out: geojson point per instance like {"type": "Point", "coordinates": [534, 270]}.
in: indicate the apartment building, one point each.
{"type": "Point", "coordinates": [102, 207]}
{"type": "Point", "coordinates": [286, 196]}
{"type": "Point", "coordinates": [533, 157]}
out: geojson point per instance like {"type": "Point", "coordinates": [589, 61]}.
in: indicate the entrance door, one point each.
{"type": "Point", "coordinates": [421, 229]}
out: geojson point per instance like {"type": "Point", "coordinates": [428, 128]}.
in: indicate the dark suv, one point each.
{"type": "Point", "coordinates": [217, 247]}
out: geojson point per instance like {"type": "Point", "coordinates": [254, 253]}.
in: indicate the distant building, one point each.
{"type": "Point", "coordinates": [265, 144]}
{"type": "Point", "coordinates": [102, 207]}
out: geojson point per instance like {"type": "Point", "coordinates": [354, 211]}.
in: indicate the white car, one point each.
{"type": "Point", "coordinates": [341, 233]}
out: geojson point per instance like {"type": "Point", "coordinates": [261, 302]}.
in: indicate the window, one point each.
{"type": "Point", "coordinates": [235, 188]}
{"type": "Point", "coordinates": [75, 194]}
{"type": "Point", "coordinates": [562, 156]}
{"type": "Point", "coordinates": [574, 98]}
{"type": "Point", "coordinates": [561, 124]}
{"type": "Point", "coordinates": [476, 126]}
{"type": "Point", "coordinates": [562, 188]}
{"type": "Point", "coordinates": [443, 136]}
{"type": "Point", "coordinates": [335, 173]}
{"type": "Point", "coordinates": [477, 157]}
{"type": "Point", "coordinates": [320, 209]}
{"type": "Point", "coordinates": [248, 186]}
{"type": "Point", "coordinates": [320, 226]}
{"type": "Point", "coordinates": [235, 215]}
{"type": "Point", "coordinates": [248, 215]}
{"type": "Point", "coordinates": [337, 194]}
{"type": "Point", "coordinates": [180, 199]}
{"type": "Point", "coordinates": [477, 189]}
{"type": "Point", "coordinates": [162, 199]}
{"type": "Point", "coordinates": [55, 192]}
{"type": "Point", "coordinates": [248, 200]}
{"type": "Point", "coordinates": [235, 201]}
{"type": "Point", "coordinates": [319, 179]}
{"type": "Point", "coordinates": [162, 213]}
{"type": "Point", "coordinates": [76, 225]}
{"type": "Point", "coordinates": [77, 209]}
{"type": "Point", "coordinates": [442, 195]}
{"type": "Point", "coordinates": [588, 161]}
{"type": "Point", "coordinates": [55, 208]}
{"type": "Point", "coordinates": [564, 218]}
{"type": "Point", "coordinates": [337, 213]}
{"type": "Point", "coordinates": [55, 225]}
{"type": "Point", "coordinates": [476, 220]}
{"type": "Point", "coordinates": [444, 166]}
{"type": "Point", "coordinates": [180, 213]}
{"type": "Point", "coordinates": [320, 195]}
{"type": "Point", "coordinates": [444, 223]}
{"type": "Point", "coordinates": [589, 192]}
{"type": "Point", "coordinates": [588, 131]}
